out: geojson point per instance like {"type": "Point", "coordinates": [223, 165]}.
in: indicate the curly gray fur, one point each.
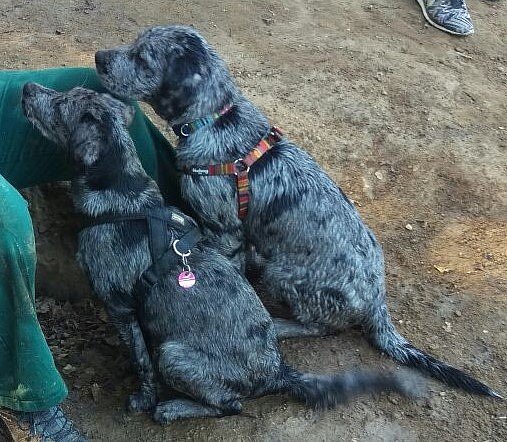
{"type": "Point", "coordinates": [215, 343]}
{"type": "Point", "coordinates": [317, 254]}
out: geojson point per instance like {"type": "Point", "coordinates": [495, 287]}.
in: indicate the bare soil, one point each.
{"type": "Point", "coordinates": [411, 122]}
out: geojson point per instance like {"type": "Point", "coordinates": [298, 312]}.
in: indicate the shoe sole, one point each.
{"type": "Point", "coordinates": [436, 25]}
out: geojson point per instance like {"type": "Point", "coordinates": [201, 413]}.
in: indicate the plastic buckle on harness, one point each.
{"type": "Point", "coordinates": [276, 133]}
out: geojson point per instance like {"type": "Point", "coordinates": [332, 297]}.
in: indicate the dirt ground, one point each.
{"type": "Point", "coordinates": [411, 122]}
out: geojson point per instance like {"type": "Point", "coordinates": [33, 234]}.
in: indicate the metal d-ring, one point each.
{"type": "Point", "coordinates": [185, 130]}
{"type": "Point", "coordinates": [183, 255]}
{"type": "Point", "coordinates": [241, 161]}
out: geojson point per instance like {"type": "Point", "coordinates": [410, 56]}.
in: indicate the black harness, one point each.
{"type": "Point", "coordinates": [165, 249]}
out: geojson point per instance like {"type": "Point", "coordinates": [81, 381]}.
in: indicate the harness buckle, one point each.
{"type": "Point", "coordinates": [276, 133]}
{"type": "Point", "coordinates": [185, 130]}
{"type": "Point", "coordinates": [243, 168]}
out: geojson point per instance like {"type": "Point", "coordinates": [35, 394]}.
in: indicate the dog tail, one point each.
{"type": "Point", "coordinates": [384, 336]}
{"type": "Point", "coordinates": [327, 391]}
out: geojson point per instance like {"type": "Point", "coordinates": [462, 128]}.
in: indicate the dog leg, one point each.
{"type": "Point", "coordinates": [172, 410]}
{"type": "Point", "coordinates": [128, 327]}
{"type": "Point", "coordinates": [193, 373]}
{"type": "Point", "coordinates": [286, 328]}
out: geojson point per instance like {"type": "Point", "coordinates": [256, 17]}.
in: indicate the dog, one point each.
{"type": "Point", "coordinates": [315, 253]}
{"type": "Point", "coordinates": [214, 342]}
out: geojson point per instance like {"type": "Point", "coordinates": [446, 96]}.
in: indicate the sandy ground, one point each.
{"type": "Point", "coordinates": [413, 125]}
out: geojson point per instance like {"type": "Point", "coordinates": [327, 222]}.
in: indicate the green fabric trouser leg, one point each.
{"type": "Point", "coordinates": [29, 380]}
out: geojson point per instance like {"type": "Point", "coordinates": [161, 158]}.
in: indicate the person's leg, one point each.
{"type": "Point", "coordinates": [450, 16]}
{"type": "Point", "coordinates": [30, 385]}
{"type": "Point", "coordinates": [29, 380]}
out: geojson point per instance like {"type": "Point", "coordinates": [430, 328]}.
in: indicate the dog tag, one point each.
{"type": "Point", "coordinates": [186, 279]}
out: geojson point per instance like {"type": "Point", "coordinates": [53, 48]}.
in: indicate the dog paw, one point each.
{"type": "Point", "coordinates": [141, 401]}
{"type": "Point", "coordinates": [161, 415]}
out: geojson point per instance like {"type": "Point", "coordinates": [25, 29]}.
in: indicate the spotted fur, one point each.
{"type": "Point", "coordinates": [314, 251]}
{"type": "Point", "coordinates": [214, 343]}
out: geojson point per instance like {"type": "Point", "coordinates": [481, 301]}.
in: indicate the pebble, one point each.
{"type": "Point", "coordinates": [457, 313]}
{"type": "Point", "coordinates": [409, 227]}
{"type": "Point", "coordinates": [69, 369]}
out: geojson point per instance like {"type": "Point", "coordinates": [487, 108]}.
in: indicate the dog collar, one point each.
{"type": "Point", "coordinates": [240, 168]}
{"type": "Point", "coordinates": [185, 129]}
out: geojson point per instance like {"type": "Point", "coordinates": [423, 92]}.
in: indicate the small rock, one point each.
{"type": "Point", "coordinates": [442, 393]}
{"type": "Point", "coordinates": [447, 327]}
{"type": "Point", "coordinates": [409, 227]}
{"type": "Point", "coordinates": [58, 32]}
{"type": "Point", "coordinates": [442, 269]}
{"type": "Point", "coordinates": [68, 369]}
{"type": "Point", "coordinates": [457, 313]}
{"type": "Point", "coordinates": [379, 175]}
{"type": "Point", "coordinates": [485, 331]}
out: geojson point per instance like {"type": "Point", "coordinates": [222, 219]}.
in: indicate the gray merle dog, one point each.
{"type": "Point", "coordinates": [315, 252]}
{"type": "Point", "coordinates": [214, 342]}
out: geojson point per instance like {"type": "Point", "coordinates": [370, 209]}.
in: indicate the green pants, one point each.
{"type": "Point", "coordinates": [29, 380]}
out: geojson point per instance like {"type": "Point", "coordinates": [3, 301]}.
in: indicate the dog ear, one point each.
{"type": "Point", "coordinates": [84, 145]}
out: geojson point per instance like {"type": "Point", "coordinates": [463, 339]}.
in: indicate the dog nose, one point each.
{"type": "Point", "coordinates": [101, 61]}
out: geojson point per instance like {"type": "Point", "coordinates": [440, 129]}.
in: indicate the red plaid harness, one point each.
{"type": "Point", "coordinates": [240, 168]}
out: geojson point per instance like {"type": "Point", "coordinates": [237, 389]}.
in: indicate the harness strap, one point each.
{"type": "Point", "coordinates": [240, 168]}
{"type": "Point", "coordinates": [163, 256]}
